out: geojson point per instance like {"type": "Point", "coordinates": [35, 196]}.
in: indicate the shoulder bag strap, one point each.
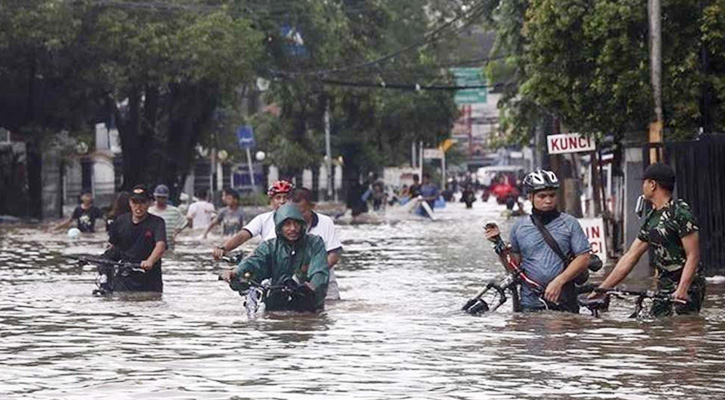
{"type": "Point", "coordinates": [549, 239]}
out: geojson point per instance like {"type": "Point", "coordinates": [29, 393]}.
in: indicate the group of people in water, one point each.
{"type": "Point", "coordinates": [297, 242]}
{"type": "Point", "coordinates": [302, 246]}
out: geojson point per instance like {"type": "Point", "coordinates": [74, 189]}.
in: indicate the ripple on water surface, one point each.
{"type": "Point", "coordinates": [397, 333]}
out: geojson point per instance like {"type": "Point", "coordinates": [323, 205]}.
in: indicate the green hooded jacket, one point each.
{"type": "Point", "coordinates": [279, 259]}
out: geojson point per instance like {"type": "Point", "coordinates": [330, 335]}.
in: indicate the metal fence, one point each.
{"type": "Point", "coordinates": [700, 169]}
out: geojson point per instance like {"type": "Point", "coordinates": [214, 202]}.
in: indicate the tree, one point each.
{"type": "Point", "coordinates": [168, 72]}
{"type": "Point", "coordinates": [46, 83]}
{"type": "Point", "coordinates": [371, 128]}
{"type": "Point", "coordinates": [586, 63]}
{"type": "Point", "coordinates": [156, 71]}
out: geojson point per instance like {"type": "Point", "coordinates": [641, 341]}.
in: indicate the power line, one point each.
{"type": "Point", "coordinates": [166, 6]}
{"type": "Point", "coordinates": [409, 86]}
{"type": "Point", "coordinates": [469, 16]}
{"type": "Point", "coordinates": [428, 38]}
{"type": "Point", "coordinates": [425, 69]}
{"type": "Point", "coordinates": [154, 5]}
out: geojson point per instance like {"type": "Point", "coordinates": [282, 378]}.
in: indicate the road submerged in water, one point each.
{"type": "Point", "coordinates": [397, 334]}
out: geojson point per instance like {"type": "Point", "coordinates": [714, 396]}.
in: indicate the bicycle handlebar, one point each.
{"type": "Point", "coordinates": [103, 261]}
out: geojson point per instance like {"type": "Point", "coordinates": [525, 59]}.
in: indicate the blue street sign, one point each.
{"type": "Point", "coordinates": [294, 44]}
{"type": "Point", "coordinates": [245, 137]}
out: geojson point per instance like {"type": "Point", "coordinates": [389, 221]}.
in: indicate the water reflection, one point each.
{"type": "Point", "coordinates": [397, 333]}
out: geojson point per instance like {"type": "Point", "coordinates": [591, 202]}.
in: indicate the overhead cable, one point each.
{"type": "Point", "coordinates": [428, 38]}
{"type": "Point", "coordinates": [408, 86]}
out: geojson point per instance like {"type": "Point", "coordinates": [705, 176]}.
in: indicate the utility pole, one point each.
{"type": "Point", "coordinates": [443, 169]}
{"type": "Point", "coordinates": [251, 170]}
{"type": "Point", "coordinates": [413, 155]}
{"type": "Point", "coordinates": [212, 170]}
{"type": "Point", "coordinates": [655, 38]}
{"type": "Point", "coordinates": [328, 151]}
{"type": "Point", "coordinates": [420, 164]}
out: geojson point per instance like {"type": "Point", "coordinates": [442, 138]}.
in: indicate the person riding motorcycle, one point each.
{"type": "Point", "coordinates": [292, 256]}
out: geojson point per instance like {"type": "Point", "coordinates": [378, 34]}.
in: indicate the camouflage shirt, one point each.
{"type": "Point", "coordinates": [664, 229]}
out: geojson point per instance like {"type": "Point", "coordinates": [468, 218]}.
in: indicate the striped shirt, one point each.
{"type": "Point", "coordinates": [174, 220]}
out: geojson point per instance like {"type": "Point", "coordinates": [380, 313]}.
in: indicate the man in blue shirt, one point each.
{"type": "Point", "coordinates": [429, 191]}
{"type": "Point", "coordinates": [538, 260]}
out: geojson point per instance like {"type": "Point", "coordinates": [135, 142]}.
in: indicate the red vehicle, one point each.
{"type": "Point", "coordinates": [504, 188]}
{"type": "Point", "coordinates": [500, 181]}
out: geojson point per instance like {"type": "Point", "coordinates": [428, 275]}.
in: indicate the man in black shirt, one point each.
{"type": "Point", "coordinates": [138, 237]}
{"type": "Point", "coordinates": [414, 189]}
{"type": "Point", "coordinates": [85, 215]}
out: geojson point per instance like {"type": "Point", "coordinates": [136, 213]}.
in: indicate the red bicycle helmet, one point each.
{"type": "Point", "coordinates": [279, 187]}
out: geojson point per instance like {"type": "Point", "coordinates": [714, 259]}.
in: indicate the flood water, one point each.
{"type": "Point", "coordinates": [397, 334]}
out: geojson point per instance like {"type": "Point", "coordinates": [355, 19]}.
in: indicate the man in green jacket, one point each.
{"type": "Point", "coordinates": [293, 254]}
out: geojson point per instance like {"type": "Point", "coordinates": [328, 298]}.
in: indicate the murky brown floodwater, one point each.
{"type": "Point", "coordinates": [397, 334]}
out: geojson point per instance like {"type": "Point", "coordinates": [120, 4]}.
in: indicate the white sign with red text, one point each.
{"type": "Point", "coordinates": [569, 143]}
{"type": "Point", "coordinates": [594, 229]}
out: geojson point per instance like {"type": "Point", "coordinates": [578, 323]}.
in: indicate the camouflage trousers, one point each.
{"type": "Point", "coordinates": [667, 283]}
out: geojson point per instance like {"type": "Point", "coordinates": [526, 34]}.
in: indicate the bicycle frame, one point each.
{"type": "Point", "coordinates": [107, 270]}
{"type": "Point", "coordinates": [597, 305]}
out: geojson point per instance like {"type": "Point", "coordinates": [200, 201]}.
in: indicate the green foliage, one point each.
{"type": "Point", "coordinates": [371, 128]}
{"type": "Point", "coordinates": [169, 75]}
{"type": "Point", "coordinates": [587, 63]}
{"type": "Point", "coordinates": [713, 36]}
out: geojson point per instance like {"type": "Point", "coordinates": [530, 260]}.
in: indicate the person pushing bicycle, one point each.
{"type": "Point", "coordinates": [552, 278]}
{"type": "Point", "coordinates": [670, 229]}
{"type": "Point", "coordinates": [291, 255]}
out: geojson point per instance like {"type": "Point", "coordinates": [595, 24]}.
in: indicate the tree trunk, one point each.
{"type": "Point", "coordinates": [191, 108]}
{"type": "Point", "coordinates": [34, 156]}
{"type": "Point", "coordinates": [35, 168]}
{"type": "Point", "coordinates": [134, 153]}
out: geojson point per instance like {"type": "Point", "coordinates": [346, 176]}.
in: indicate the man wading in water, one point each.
{"type": "Point", "coordinates": [538, 260]}
{"type": "Point", "coordinates": [670, 228]}
{"type": "Point", "coordinates": [173, 218]}
{"type": "Point", "coordinates": [138, 237]}
{"type": "Point", "coordinates": [261, 225]}
{"type": "Point", "coordinates": [230, 217]}
{"type": "Point", "coordinates": [85, 215]}
{"type": "Point", "coordinates": [322, 226]}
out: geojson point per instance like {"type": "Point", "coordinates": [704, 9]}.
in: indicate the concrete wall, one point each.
{"type": "Point", "coordinates": [52, 191]}
{"type": "Point", "coordinates": [103, 179]}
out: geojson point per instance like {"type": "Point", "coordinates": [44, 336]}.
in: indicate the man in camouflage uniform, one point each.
{"type": "Point", "coordinates": [671, 230]}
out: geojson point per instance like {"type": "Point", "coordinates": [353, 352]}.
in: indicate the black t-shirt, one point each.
{"type": "Point", "coordinates": [135, 243]}
{"type": "Point", "coordinates": [414, 190]}
{"type": "Point", "coordinates": [87, 218]}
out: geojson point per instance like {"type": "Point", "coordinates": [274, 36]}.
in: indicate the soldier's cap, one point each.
{"type": "Point", "coordinates": [662, 174]}
{"type": "Point", "coordinates": [140, 192]}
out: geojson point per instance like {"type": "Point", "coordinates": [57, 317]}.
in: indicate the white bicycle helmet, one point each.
{"type": "Point", "coordinates": [540, 179]}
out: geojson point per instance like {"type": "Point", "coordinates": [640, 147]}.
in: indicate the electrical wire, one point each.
{"type": "Point", "coordinates": [176, 6]}
{"type": "Point", "coordinates": [428, 38]}
{"type": "Point", "coordinates": [433, 36]}
{"type": "Point", "coordinates": [408, 71]}
{"type": "Point", "coordinates": [408, 86]}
